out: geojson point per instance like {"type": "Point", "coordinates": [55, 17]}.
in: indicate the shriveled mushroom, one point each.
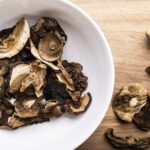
{"type": "Point", "coordinates": [142, 117]}
{"type": "Point", "coordinates": [64, 77]}
{"type": "Point", "coordinates": [128, 142]}
{"type": "Point", "coordinates": [85, 102]}
{"type": "Point", "coordinates": [35, 53]}
{"type": "Point", "coordinates": [27, 108]}
{"type": "Point", "coordinates": [26, 75]}
{"type": "Point", "coordinates": [55, 90]}
{"type": "Point", "coordinates": [16, 122]}
{"type": "Point", "coordinates": [18, 73]}
{"type": "Point", "coordinates": [6, 110]}
{"type": "Point", "coordinates": [75, 71]}
{"type": "Point", "coordinates": [129, 100]}
{"type": "Point", "coordinates": [12, 44]}
{"type": "Point", "coordinates": [53, 109]}
{"type": "Point", "coordinates": [47, 25]}
{"type": "Point", "coordinates": [35, 78]}
{"type": "Point", "coordinates": [50, 47]}
{"type": "Point", "coordinates": [47, 41]}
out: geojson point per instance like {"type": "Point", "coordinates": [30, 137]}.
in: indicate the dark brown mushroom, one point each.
{"type": "Point", "coordinates": [6, 110]}
{"type": "Point", "coordinates": [129, 100]}
{"type": "Point", "coordinates": [75, 71]}
{"type": "Point", "coordinates": [128, 142]}
{"type": "Point", "coordinates": [55, 90]}
{"type": "Point", "coordinates": [142, 117]}
{"type": "Point", "coordinates": [83, 105]}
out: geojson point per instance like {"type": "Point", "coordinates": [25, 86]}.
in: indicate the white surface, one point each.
{"type": "Point", "coordinates": [86, 44]}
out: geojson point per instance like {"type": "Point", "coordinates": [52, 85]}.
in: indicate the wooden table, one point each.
{"type": "Point", "coordinates": [124, 23]}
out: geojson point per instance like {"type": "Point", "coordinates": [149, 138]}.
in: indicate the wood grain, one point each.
{"type": "Point", "coordinates": [124, 23]}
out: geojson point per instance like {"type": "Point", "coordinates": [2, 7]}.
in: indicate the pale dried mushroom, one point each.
{"type": "Point", "coordinates": [129, 100]}
{"type": "Point", "coordinates": [16, 40]}
{"type": "Point", "coordinates": [16, 122]}
{"type": "Point", "coordinates": [18, 73]}
{"type": "Point", "coordinates": [64, 77]}
{"type": "Point", "coordinates": [6, 110]}
{"type": "Point", "coordinates": [85, 102]}
{"type": "Point", "coordinates": [35, 78]}
{"type": "Point", "coordinates": [128, 142]}
{"type": "Point", "coordinates": [50, 47]}
{"type": "Point", "coordinates": [53, 108]}
{"type": "Point", "coordinates": [27, 107]}
{"type": "Point", "coordinates": [35, 53]}
{"type": "Point", "coordinates": [26, 75]}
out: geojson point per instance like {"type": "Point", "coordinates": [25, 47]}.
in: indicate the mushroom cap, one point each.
{"type": "Point", "coordinates": [14, 43]}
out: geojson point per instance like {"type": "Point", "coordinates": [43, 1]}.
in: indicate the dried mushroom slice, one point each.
{"type": "Point", "coordinates": [53, 109]}
{"type": "Point", "coordinates": [128, 142]}
{"type": "Point", "coordinates": [16, 122]}
{"type": "Point", "coordinates": [18, 73]}
{"type": "Point", "coordinates": [35, 53]}
{"type": "Point", "coordinates": [75, 71]}
{"type": "Point", "coordinates": [64, 77]}
{"type": "Point", "coordinates": [36, 78]}
{"type": "Point", "coordinates": [26, 75]}
{"type": "Point", "coordinates": [26, 108]}
{"type": "Point", "coordinates": [45, 25]}
{"type": "Point", "coordinates": [6, 110]}
{"type": "Point", "coordinates": [129, 100]}
{"type": "Point", "coordinates": [142, 118]}
{"type": "Point", "coordinates": [14, 43]}
{"type": "Point", "coordinates": [85, 102]}
{"type": "Point", "coordinates": [50, 47]}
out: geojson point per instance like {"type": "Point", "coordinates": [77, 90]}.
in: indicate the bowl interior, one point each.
{"type": "Point", "coordinates": [86, 45]}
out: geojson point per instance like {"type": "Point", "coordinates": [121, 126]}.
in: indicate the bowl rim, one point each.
{"type": "Point", "coordinates": [110, 57]}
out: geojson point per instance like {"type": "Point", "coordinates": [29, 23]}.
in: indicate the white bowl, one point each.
{"type": "Point", "coordinates": [86, 44]}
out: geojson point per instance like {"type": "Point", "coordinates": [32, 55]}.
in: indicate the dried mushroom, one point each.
{"type": "Point", "coordinates": [142, 117]}
{"type": "Point", "coordinates": [26, 108]}
{"type": "Point", "coordinates": [55, 90]}
{"type": "Point", "coordinates": [50, 47]}
{"type": "Point", "coordinates": [16, 122]}
{"type": "Point", "coordinates": [6, 110]}
{"type": "Point", "coordinates": [47, 25]}
{"type": "Point", "coordinates": [35, 53]}
{"type": "Point", "coordinates": [35, 78]}
{"type": "Point", "coordinates": [75, 71]}
{"type": "Point", "coordinates": [128, 142]}
{"type": "Point", "coordinates": [64, 77]}
{"type": "Point", "coordinates": [129, 100]}
{"type": "Point", "coordinates": [53, 109]}
{"type": "Point", "coordinates": [85, 102]}
{"type": "Point", "coordinates": [26, 75]}
{"type": "Point", "coordinates": [12, 44]}
{"type": "Point", "coordinates": [48, 40]}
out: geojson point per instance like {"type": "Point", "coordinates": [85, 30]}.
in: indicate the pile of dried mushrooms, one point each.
{"type": "Point", "coordinates": [35, 83]}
